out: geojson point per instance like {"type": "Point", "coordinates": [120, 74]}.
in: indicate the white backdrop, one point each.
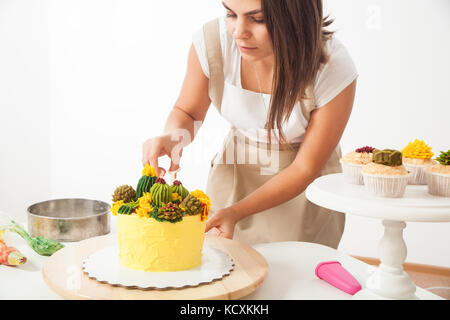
{"type": "Point", "coordinates": [84, 83]}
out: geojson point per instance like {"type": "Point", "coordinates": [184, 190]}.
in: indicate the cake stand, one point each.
{"type": "Point", "coordinates": [389, 280]}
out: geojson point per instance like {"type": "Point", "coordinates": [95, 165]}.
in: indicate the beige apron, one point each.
{"type": "Point", "coordinates": [243, 165]}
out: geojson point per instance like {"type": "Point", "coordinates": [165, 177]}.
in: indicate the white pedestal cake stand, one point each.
{"type": "Point", "coordinates": [389, 281]}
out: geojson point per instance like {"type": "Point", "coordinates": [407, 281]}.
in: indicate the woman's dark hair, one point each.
{"type": "Point", "coordinates": [297, 31]}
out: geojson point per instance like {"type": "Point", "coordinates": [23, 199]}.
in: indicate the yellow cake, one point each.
{"type": "Point", "coordinates": [150, 245]}
{"type": "Point", "coordinates": [161, 228]}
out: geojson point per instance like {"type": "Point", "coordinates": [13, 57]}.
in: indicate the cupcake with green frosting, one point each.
{"type": "Point", "coordinates": [438, 176]}
{"type": "Point", "coordinates": [386, 176]}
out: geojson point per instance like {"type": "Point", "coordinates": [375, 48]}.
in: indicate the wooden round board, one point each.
{"type": "Point", "coordinates": [63, 273]}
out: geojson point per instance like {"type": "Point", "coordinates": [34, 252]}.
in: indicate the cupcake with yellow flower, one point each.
{"type": "Point", "coordinates": [438, 176]}
{"type": "Point", "coordinates": [160, 227]}
{"type": "Point", "coordinates": [416, 158]}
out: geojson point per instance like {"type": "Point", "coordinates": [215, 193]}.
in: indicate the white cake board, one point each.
{"type": "Point", "coordinates": [104, 266]}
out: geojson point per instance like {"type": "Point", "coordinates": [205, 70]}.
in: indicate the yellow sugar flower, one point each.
{"type": "Point", "coordinates": [146, 198]}
{"type": "Point", "coordinates": [200, 195]}
{"type": "Point", "coordinates": [149, 171]}
{"type": "Point", "coordinates": [145, 205]}
{"type": "Point", "coordinates": [115, 207]}
{"type": "Point", "coordinates": [176, 197]}
{"type": "Point", "coordinates": [143, 211]}
{"type": "Point", "coordinates": [417, 150]}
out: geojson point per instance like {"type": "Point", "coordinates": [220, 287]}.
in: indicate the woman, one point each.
{"type": "Point", "coordinates": [269, 67]}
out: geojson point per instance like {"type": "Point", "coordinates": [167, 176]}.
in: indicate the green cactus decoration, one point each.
{"type": "Point", "coordinates": [179, 189]}
{"type": "Point", "coordinates": [192, 205]}
{"type": "Point", "coordinates": [160, 193]}
{"type": "Point", "coordinates": [444, 158]}
{"type": "Point", "coordinates": [169, 212]}
{"type": "Point", "coordinates": [125, 193]}
{"type": "Point", "coordinates": [388, 157]}
{"type": "Point", "coordinates": [144, 185]}
{"type": "Point", "coordinates": [128, 208]}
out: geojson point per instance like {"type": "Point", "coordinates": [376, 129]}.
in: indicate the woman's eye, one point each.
{"type": "Point", "coordinates": [258, 20]}
{"type": "Point", "coordinates": [253, 19]}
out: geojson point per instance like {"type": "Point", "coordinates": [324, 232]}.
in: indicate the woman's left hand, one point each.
{"type": "Point", "coordinates": [222, 223]}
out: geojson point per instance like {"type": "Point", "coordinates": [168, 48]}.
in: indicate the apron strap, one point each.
{"type": "Point", "coordinates": [308, 103]}
{"type": "Point", "coordinates": [211, 34]}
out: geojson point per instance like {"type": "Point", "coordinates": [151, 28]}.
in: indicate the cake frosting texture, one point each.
{"type": "Point", "coordinates": [151, 245]}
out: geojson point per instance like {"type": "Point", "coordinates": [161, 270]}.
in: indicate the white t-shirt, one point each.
{"type": "Point", "coordinates": [331, 79]}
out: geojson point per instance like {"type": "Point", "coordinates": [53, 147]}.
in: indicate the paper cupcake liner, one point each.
{"type": "Point", "coordinates": [352, 172]}
{"type": "Point", "coordinates": [418, 176]}
{"type": "Point", "coordinates": [438, 184]}
{"type": "Point", "coordinates": [386, 186]}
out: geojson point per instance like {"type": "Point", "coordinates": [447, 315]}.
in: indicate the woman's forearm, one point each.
{"type": "Point", "coordinates": [283, 187]}
{"type": "Point", "coordinates": [179, 119]}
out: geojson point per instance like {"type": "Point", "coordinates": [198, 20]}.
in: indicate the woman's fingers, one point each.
{"type": "Point", "coordinates": [154, 163]}
{"type": "Point", "coordinates": [211, 223]}
{"type": "Point", "coordinates": [162, 172]}
{"type": "Point", "coordinates": [174, 169]}
{"type": "Point", "coordinates": [219, 232]}
{"type": "Point", "coordinates": [156, 147]}
{"type": "Point", "coordinates": [221, 224]}
{"type": "Point", "coordinates": [215, 232]}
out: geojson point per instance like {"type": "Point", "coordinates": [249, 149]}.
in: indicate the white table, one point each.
{"type": "Point", "coordinates": [389, 281]}
{"type": "Point", "coordinates": [291, 273]}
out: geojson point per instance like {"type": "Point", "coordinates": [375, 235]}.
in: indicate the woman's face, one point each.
{"type": "Point", "coordinates": [245, 21]}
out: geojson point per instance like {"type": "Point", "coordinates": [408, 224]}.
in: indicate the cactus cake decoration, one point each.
{"type": "Point", "coordinates": [147, 180]}
{"type": "Point", "coordinates": [128, 208]}
{"type": "Point", "coordinates": [206, 203]}
{"type": "Point", "coordinates": [444, 158]}
{"type": "Point", "coordinates": [191, 205]}
{"type": "Point", "coordinates": [154, 198]}
{"type": "Point", "coordinates": [169, 212]}
{"type": "Point", "coordinates": [178, 188]}
{"type": "Point", "coordinates": [160, 192]}
{"type": "Point", "coordinates": [125, 193]}
{"type": "Point", "coordinates": [388, 157]}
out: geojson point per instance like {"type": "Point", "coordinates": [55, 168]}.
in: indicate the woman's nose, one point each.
{"type": "Point", "coordinates": [240, 30]}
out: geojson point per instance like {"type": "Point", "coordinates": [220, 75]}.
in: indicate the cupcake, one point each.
{"type": "Point", "coordinates": [438, 176]}
{"type": "Point", "coordinates": [416, 158]}
{"type": "Point", "coordinates": [386, 176]}
{"type": "Point", "coordinates": [352, 163]}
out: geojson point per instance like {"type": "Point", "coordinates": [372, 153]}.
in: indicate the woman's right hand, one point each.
{"type": "Point", "coordinates": [159, 146]}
